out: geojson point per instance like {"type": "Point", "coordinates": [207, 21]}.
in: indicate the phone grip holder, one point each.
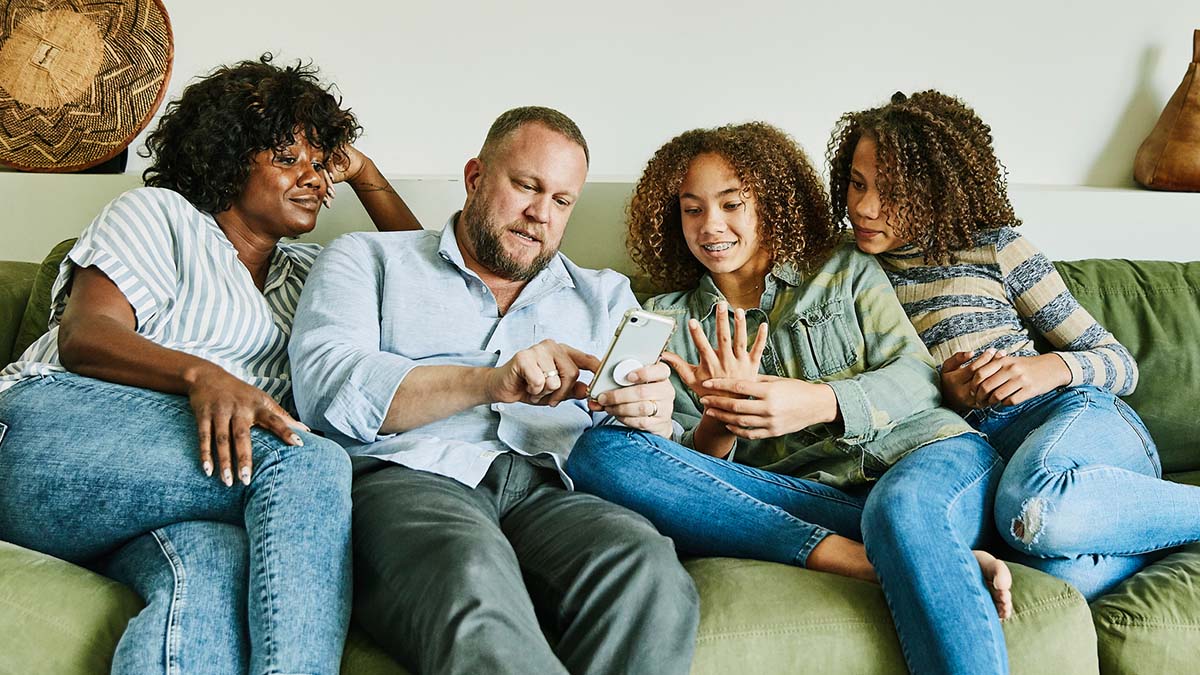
{"type": "Point", "coordinates": [622, 370]}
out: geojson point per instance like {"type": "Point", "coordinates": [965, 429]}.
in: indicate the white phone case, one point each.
{"type": "Point", "coordinates": [639, 341]}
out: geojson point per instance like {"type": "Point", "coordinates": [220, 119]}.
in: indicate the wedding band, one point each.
{"type": "Point", "coordinates": [550, 373]}
{"type": "Point", "coordinates": [655, 413]}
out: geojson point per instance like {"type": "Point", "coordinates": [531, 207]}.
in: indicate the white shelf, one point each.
{"type": "Point", "coordinates": [1066, 222]}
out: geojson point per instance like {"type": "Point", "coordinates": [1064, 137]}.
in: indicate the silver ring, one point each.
{"type": "Point", "coordinates": [655, 413]}
{"type": "Point", "coordinates": [550, 373]}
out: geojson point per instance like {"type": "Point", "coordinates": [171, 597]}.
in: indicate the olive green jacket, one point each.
{"type": "Point", "coordinates": [842, 325]}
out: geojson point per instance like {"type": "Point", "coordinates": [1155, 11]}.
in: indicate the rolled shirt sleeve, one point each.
{"type": "Point", "coordinates": [344, 382]}
{"type": "Point", "coordinates": [899, 377]}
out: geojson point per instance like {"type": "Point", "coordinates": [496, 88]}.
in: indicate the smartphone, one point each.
{"type": "Point", "coordinates": [639, 341]}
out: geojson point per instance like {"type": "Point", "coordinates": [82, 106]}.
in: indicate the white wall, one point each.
{"type": "Point", "coordinates": [1070, 89]}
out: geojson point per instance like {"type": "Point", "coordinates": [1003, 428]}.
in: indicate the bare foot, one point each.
{"type": "Point", "coordinates": [998, 580]}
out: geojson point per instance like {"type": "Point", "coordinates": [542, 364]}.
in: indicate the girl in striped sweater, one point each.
{"type": "Point", "coordinates": [919, 182]}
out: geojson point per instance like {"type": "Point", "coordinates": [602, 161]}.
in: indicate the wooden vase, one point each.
{"type": "Point", "coordinates": [1169, 158]}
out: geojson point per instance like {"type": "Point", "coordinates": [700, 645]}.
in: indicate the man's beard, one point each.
{"type": "Point", "coordinates": [489, 251]}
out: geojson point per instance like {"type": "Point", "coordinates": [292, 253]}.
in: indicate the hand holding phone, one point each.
{"type": "Point", "coordinates": [638, 342]}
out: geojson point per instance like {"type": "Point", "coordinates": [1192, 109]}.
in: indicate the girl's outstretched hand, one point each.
{"type": "Point", "coordinates": [729, 359]}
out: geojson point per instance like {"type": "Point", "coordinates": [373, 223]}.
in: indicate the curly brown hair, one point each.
{"type": "Point", "coordinates": [203, 146]}
{"type": "Point", "coordinates": [939, 180]}
{"type": "Point", "coordinates": [793, 210]}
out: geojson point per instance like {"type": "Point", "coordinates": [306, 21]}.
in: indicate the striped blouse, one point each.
{"type": "Point", "coordinates": [993, 295]}
{"type": "Point", "coordinates": [188, 290]}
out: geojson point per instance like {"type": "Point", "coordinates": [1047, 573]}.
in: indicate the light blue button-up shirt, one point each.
{"type": "Point", "coordinates": [377, 305]}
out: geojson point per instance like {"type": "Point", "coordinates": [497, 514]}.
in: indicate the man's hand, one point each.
{"type": "Point", "coordinates": [996, 378]}
{"type": "Point", "coordinates": [730, 359]}
{"type": "Point", "coordinates": [545, 374]}
{"type": "Point", "coordinates": [647, 405]}
{"type": "Point", "coordinates": [769, 406]}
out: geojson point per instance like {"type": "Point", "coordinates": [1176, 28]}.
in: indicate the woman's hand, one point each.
{"type": "Point", "coordinates": [995, 378]}
{"type": "Point", "coordinates": [729, 360]}
{"type": "Point", "coordinates": [385, 207]}
{"type": "Point", "coordinates": [769, 406]}
{"type": "Point", "coordinates": [349, 169]}
{"type": "Point", "coordinates": [225, 409]}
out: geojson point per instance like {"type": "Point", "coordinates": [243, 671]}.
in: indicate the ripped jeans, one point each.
{"type": "Point", "coordinates": [1082, 497]}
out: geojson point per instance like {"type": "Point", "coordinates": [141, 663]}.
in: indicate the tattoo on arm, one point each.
{"type": "Point", "coordinates": [375, 187]}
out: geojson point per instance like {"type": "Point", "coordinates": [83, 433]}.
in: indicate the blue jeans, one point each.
{"type": "Point", "coordinates": [91, 468]}
{"type": "Point", "coordinates": [918, 524]}
{"type": "Point", "coordinates": [1083, 497]}
{"type": "Point", "coordinates": [194, 578]}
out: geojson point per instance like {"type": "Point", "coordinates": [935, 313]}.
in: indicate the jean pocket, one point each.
{"type": "Point", "coordinates": [1135, 421]}
{"type": "Point", "coordinates": [823, 340]}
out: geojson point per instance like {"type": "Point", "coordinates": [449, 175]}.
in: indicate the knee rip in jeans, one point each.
{"type": "Point", "coordinates": [1027, 527]}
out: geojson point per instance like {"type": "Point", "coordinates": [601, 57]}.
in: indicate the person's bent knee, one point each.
{"type": "Point", "coordinates": [892, 509]}
{"type": "Point", "coordinates": [654, 573]}
{"type": "Point", "coordinates": [320, 456]}
{"type": "Point", "coordinates": [1026, 522]}
{"type": "Point", "coordinates": [598, 456]}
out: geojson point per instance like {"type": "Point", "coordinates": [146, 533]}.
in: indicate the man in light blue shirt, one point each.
{"type": "Point", "coordinates": [453, 366]}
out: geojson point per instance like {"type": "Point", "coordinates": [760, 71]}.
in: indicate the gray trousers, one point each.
{"type": "Point", "coordinates": [518, 575]}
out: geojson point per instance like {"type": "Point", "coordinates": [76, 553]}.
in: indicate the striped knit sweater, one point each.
{"type": "Point", "coordinates": [993, 295]}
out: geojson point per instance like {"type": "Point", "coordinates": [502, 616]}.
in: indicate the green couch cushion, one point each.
{"type": "Point", "coordinates": [56, 617]}
{"type": "Point", "coordinates": [1151, 622]}
{"type": "Point", "coordinates": [59, 618]}
{"type": "Point", "coordinates": [37, 312]}
{"type": "Point", "coordinates": [758, 617]}
{"type": "Point", "coordinates": [1153, 308]}
{"type": "Point", "coordinates": [16, 280]}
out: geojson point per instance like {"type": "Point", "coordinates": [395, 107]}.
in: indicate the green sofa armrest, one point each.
{"type": "Point", "coordinates": [16, 281]}
{"type": "Point", "coordinates": [1153, 308]}
{"type": "Point", "coordinates": [56, 617]}
{"type": "Point", "coordinates": [37, 312]}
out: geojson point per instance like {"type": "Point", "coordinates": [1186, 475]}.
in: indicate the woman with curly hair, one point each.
{"type": "Point", "coordinates": [920, 184]}
{"type": "Point", "coordinates": [818, 443]}
{"type": "Point", "coordinates": [166, 362]}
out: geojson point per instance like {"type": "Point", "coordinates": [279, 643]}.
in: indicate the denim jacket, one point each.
{"type": "Point", "coordinates": [840, 324]}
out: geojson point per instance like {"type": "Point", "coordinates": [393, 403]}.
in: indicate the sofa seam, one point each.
{"type": "Point", "coordinates": [41, 618]}
{"type": "Point", "coordinates": [1060, 601]}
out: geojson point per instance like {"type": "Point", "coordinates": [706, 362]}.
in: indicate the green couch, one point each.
{"type": "Point", "coordinates": [761, 617]}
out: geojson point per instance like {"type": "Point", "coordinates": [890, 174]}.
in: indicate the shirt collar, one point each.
{"type": "Point", "coordinates": [553, 277]}
{"type": "Point", "coordinates": [278, 270]}
{"type": "Point", "coordinates": [901, 253]}
{"type": "Point", "coordinates": [707, 295]}
{"type": "Point", "coordinates": [281, 268]}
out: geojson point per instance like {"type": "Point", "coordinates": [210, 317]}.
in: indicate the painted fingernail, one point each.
{"type": "Point", "coordinates": [245, 475]}
{"type": "Point", "coordinates": [227, 477]}
{"type": "Point", "coordinates": [207, 466]}
{"type": "Point", "coordinates": [296, 440]}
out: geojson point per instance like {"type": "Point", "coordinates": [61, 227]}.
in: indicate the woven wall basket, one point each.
{"type": "Point", "coordinates": [1169, 158]}
{"type": "Point", "coordinates": [79, 79]}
